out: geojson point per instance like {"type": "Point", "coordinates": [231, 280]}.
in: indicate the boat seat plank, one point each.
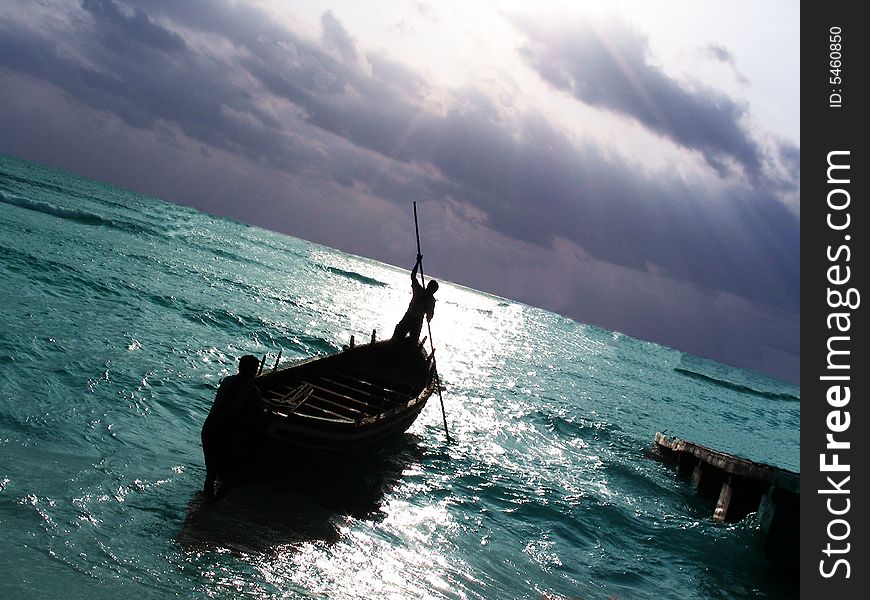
{"type": "Point", "coordinates": [313, 405]}
{"type": "Point", "coordinates": [328, 419]}
{"type": "Point", "coordinates": [321, 400]}
{"type": "Point", "coordinates": [290, 397]}
{"type": "Point", "coordinates": [401, 385]}
{"type": "Point", "coordinates": [351, 383]}
{"type": "Point", "coordinates": [332, 389]}
{"type": "Point", "coordinates": [378, 383]}
{"type": "Point", "coordinates": [355, 386]}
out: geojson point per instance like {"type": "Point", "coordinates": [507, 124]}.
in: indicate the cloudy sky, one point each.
{"type": "Point", "coordinates": [634, 165]}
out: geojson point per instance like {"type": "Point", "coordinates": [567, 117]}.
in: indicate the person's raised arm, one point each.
{"type": "Point", "coordinates": [414, 282]}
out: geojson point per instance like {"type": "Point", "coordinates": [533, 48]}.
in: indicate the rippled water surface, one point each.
{"type": "Point", "coordinates": [122, 313]}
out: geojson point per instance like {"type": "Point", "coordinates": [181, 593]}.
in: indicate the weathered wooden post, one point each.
{"type": "Point", "coordinates": [724, 501]}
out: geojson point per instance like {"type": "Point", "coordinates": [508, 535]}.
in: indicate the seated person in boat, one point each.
{"type": "Point", "coordinates": [422, 304]}
{"type": "Point", "coordinates": [231, 423]}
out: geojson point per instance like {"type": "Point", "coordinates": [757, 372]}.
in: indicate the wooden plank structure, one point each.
{"type": "Point", "coordinates": [741, 487]}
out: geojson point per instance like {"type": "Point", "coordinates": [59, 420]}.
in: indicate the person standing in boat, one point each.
{"type": "Point", "coordinates": [231, 422]}
{"type": "Point", "coordinates": [422, 305]}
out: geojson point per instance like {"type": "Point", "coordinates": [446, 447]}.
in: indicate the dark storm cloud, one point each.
{"type": "Point", "coordinates": [336, 36]}
{"type": "Point", "coordinates": [607, 65]}
{"type": "Point", "coordinates": [137, 26]}
{"type": "Point", "coordinates": [145, 74]}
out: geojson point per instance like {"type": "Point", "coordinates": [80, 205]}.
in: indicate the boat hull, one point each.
{"type": "Point", "coordinates": [349, 402]}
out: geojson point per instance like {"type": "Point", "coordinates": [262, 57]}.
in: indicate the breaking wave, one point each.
{"type": "Point", "coordinates": [57, 211]}
{"type": "Point", "coordinates": [356, 276]}
{"type": "Point", "coordinates": [730, 385]}
{"type": "Point", "coordinates": [70, 214]}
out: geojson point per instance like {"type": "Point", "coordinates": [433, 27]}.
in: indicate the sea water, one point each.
{"type": "Point", "coordinates": [121, 313]}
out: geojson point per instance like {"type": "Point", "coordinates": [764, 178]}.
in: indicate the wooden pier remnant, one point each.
{"type": "Point", "coordinates": [741, 487]}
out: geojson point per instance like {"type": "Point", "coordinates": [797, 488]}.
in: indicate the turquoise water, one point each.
{"type": "Point", "coordinates": [121, 313]}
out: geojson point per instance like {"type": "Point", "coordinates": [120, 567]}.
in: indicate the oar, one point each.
{"type": "Point", "coordinates": [429, 325]}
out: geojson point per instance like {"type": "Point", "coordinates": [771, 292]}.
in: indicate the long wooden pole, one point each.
{"type": "Point", "coordinates": [429, 326]}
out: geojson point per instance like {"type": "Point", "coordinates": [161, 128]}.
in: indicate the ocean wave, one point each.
{"type": "Point", "coordinates": [730, 385]}
{"type": "Point", "coordinates": [60, 278]}
{"type": "Point", "coordinates": [15, 181]}
{"type": "Point", "coordinates": [571, 428]}
{"type": "Point", "coordinates": [308, 345]}
{"type": "Point", "coordinates": [71, 214]}
{"type": "Point", "coordinates": [356, 276]}
{"type": "Point", "coordinates": [50, 209]}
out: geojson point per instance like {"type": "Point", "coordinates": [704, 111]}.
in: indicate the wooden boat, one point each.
{"type": "Point", "coordinates": [350, 401]}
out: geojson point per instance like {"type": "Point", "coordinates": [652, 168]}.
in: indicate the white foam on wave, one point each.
{"type": "Point", "coordinates": [51, 209]}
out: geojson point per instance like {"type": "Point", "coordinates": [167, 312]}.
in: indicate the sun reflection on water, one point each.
{"type": "Point", "coordinates": [403, 556]}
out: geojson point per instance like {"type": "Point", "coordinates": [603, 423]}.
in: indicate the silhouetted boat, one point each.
{"type": "Point", "coordinates": [346, 402]}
